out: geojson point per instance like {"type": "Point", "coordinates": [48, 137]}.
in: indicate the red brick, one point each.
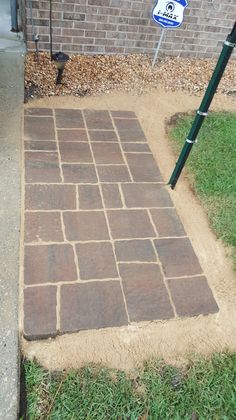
{"type": "Point", "coordinates": [49, 264]}
{"type": "Point", "coordinates": [92, 305]}
{"type": "Point", "coordinates": [145, 293]}
{"type": "Point", "coordinates": [40, 312]}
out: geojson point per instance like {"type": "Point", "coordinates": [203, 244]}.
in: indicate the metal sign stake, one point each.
{"type": "Point", "coordinates": [158, 47]}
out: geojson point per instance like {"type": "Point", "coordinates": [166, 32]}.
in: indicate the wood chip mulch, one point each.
{"type": "Point", "coordinates": [91, 75]}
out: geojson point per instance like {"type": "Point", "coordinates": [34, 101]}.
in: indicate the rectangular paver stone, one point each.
{"type": "Point", "coordinates": [145, 293]}
{"type": "Point", "coordinates": [126, 224]}
{"type": "Point", "coordinates": [43, 227]}
{"type": "Point", "coordinates": [69, 118]}
{"type": "Point", "coordinates": [40, 145]}
{"type": "Point", "coordinates": [38, 111]}
{"type": "Point", "coordinates": [80, 173]}
{"type": "Point", "coordinates": [96, 261]}
{"type": "Point", "coordinates": [143, 167]}
{"type": "Point", "coordinates": [113, 173]}
{"type": "Point", "coordinates": [72, 135]}
{"type": "Point", "coordinates": [89, 197]}
{"type": "Point", "coordinates": [129, 130]}
{"type": "Point", "coordinates": [107, 153]}
{"type": "Point", "coordinates": [145, 195]}
{"type": "Point", "coordinates": [50, 197]}
{"type": "Point", "coordinates": [75, 152]}
{"type": "Point", "coordinates": [98, 120]}
{"type": "Point", "coordinates": [167, 222]}
{"type": "Point", "coordinates": [85, 226]}
{"type": "Point", "coordinates": [135, 250]}
{"type": "Point", "coordinates": [192, 296]}
{"type": "Point", "coordinates": [177, 257]}
{"type": "Point", "coordinates": [49, 264]}
{"type": "Point", "coordinates": [40, 312]}
{"type": "Point", "coordinates": [39, 128]}
{"type": "Point", "coordinates": [42, 167]}
{"type": "Point", "coordinates": [91, 306]}
{"type": "Point", "coordinates": [111, 196]}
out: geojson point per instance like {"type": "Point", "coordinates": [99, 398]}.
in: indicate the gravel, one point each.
{"type": "Point", "coordinates": [91, 75]}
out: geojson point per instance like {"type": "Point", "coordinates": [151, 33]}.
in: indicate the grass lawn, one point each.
{"type": "Point", "coordinates": [206, 389]}
{"type": "Point", "coordinates": [212, 170]}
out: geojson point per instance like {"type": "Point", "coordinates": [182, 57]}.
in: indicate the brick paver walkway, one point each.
{"type": "Point", "coordinates": [104, 246]}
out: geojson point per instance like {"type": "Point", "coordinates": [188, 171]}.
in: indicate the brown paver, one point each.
{"type": "Point", "coordinates": [49, 264]}
{"type": "Point", "coordinates": [85, 226]}
{"type": "Point", "coordinates": [145, 292]}
{"type": "Point", "coordinates": [96, 261]}
{"type": "Point", "coordinates": [43, 227]}
{"type": "Point", "coordinates": [104, 245]}
{"type": "Point", "coordinates": [92, 305]}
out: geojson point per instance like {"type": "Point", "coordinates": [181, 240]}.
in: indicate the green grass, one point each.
{"type": "Point", "coordinates": [212, 170]}
{"type": "Point", "coordinates": [206, 389]}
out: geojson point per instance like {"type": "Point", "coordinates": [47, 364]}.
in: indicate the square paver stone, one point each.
{"type": "Point", "coordinates": [39, 128]}
{"type": "Point", "coordinates": [129, 130]}
{"type": "Point", "coordinates": [143, 167]}
{"type": "Point", "coordinates": [69, 118]}
{"type": "Point", "coordinates": [85, 226]}
{"type": "Point", "coordinates": [91, 306]}
{"type": "Point", "coordinates": [167, 222]}
{"type": "Point", "coordinates": [126, 224]}
{"type": "Point", "coordinates": [40, 317]}
{"type": "Point", "coordinates": [72, 135]}
{"type": "Point", "coordinates": [75, 152]}
{"type": "Point", "coordinates": [42, 167]}
{"type": "Point", "coordinates": [192, 296]}
{"type": "Point", "coordinates": [89, 197]}
{"type": "Point", "coordinates": [98, 120]}
{"type": "Point", "coordinates": [43, 227]}
{"type": "Point", "coordinates": [50, 197]}
{"type": "Point", "coordinates": [145, 292]}
{"type": "Point", "coordinates": [96, 261]}
{"type": "Point", "coordinates": [49, 264]}
{"type": "Point", "coordinates": [177, 257]}
{"type": "Point", "coordinates": [109, 153]}
{"type": "Point", "coordinates": [135, 250]}
{"type": "Point", "coordinates": [103, 136]}
{"type": "Point", "coordinates": [79, 173]}
{"type": "Point", "coordinates": [145, 195]}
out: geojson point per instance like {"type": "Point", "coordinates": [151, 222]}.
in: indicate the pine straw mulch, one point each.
{"type": "Point", "coordinates": [91, 75]}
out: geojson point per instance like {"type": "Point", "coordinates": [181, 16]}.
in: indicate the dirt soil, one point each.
{"type": "Point", "coordinates": [175, 340]}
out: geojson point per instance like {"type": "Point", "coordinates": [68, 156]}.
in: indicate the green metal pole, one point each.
{"type": "Point", "coordinates": [228, 47]}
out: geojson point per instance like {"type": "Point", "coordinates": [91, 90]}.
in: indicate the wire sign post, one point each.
{"type": "Point", "coordinates": [168, 14]}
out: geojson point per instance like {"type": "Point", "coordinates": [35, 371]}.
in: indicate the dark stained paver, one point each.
{"type": "Point", "coordinates": [104, 246]}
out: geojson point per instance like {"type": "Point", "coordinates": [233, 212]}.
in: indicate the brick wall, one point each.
{"type": "Point", "coordinates": [125, 26]}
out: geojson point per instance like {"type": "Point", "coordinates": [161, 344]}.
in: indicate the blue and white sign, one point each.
{"type": "Point", "coordinates": [169, 14]}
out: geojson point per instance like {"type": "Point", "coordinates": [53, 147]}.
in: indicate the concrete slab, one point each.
{"type": "Point", "coordinates": [11, 100]}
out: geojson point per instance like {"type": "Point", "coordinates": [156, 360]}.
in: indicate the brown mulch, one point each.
{"type": "Point", "coordinates": [89, 75]}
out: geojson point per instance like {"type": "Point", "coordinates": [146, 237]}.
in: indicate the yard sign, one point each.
{"type": "Point", "coordinates": [168, 14]}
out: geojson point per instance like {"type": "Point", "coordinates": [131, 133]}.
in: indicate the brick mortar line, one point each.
{"type": "Point", "coordinates": [152, 223]}
{"type": "Point", "coordinates": [67, 241]}
{"type": "Point", "coordinates": [121, 196]}
{"type": "Point", "coordinates": [164, 280]}
{"type": "Point", "coordinates": [62, 227]}
{"type": "Point", "coordinates": [57, 143]}
{"type": "Point", "coordinates": [107, 221]}
{"type": "Point", "coordinates": [76, 263]}
{"type": "Point", "coordinates": [77, 196]}
{"type": "Point", "coordinates": [122, 151]}
{"type": "Point", "coordinates": [96, 183]}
